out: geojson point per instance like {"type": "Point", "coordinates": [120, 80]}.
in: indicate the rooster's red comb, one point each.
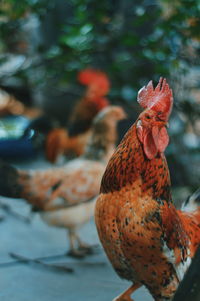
{"type": "Point", "coordinates": [94, 77]}
{"type": "Point", "coordinates": [159, 99]}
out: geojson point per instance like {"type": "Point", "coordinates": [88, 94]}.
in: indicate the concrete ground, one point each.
{"type": "Point", "coordinates": [93, 277]}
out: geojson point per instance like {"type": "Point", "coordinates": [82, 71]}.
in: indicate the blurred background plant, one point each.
{"type": "Point", "coordinates": [45, 43]}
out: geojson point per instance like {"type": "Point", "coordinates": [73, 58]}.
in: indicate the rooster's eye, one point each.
{"type": "Point", "coordinates": [148, 117]}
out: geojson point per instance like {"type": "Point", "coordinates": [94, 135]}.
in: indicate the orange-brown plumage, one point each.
{"type": "Point", "coordinates": [147, 240]}
{"type": "Point", "coordinates": [55, 143]}
{"type": "Point", "coordinates": [75, 137]}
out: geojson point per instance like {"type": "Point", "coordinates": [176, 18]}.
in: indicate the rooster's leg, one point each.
{"type": "Point", "coordinates": [125, 296]}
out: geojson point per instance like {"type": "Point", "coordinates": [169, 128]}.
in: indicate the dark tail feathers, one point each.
{"type": "Point", "coordinates": [9, 176]}
{"type": "Point", "coordinates": [192, 202]}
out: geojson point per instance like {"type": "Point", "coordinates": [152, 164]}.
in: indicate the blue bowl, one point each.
{"type": "Point", "coordinates": [13, 143]}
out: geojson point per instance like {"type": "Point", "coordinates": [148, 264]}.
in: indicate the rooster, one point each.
{"type": "Point", "coordinates": [148, 241]}
{"type": "Point", "coordinates": [74, 139]}
{"type": "Point", "coordinates": [65, 196]}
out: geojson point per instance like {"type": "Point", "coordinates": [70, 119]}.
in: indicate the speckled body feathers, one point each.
{"type": "Point", "coordinates": [146, 239]}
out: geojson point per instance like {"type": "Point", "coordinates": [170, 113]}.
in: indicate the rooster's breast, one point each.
{"type": "Point", "coordinates": [106, 218]}
{"type": "Point", "coordinates": [130, 231]}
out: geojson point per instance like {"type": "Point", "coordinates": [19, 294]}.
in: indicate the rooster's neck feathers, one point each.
{"type": "Point", "coordinates": [129, 163]}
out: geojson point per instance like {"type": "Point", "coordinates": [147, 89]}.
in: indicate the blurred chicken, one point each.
{"type": "Point", "coordinates": [75, 137]}
{"type": "Point", "coordinates": [147, 240]}
{"type": "Point", "coordinates": [65, 197]}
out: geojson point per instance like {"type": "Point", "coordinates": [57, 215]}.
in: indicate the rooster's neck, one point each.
{"type": "Point", "coordinates": [129, 164]}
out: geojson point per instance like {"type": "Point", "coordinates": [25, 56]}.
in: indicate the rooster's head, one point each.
{"type": "Point", "coordinates": [152, 122]}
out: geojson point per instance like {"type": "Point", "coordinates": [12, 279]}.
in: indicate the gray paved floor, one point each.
{"type": "Point", "coordinates": [22, 282]}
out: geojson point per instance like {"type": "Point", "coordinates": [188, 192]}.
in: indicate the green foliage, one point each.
{"type": "Point", "coordinates": [15, 10]}
{"type": "Point", "coordinates": [133, 41]}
